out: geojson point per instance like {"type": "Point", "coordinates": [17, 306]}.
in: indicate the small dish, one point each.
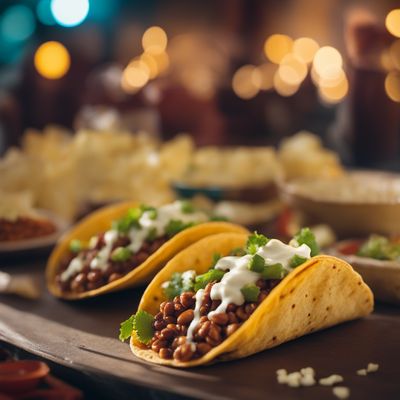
{"type": "Point", "coordinates": [354, 205]}
{"type": "Point", "coordinates": [383, 277]}
{"type": "Point", "coordinates": [39, 243]}
{"type": "Point", "coordinates": [21, 376]}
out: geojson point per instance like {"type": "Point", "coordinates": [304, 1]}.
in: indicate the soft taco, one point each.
{"type": "Point", "coordinates": [231, 295]}
{"type": "Point", "coordinates": [125, 245]}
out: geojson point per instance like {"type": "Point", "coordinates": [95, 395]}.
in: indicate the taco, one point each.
{"type": "Point", "coordinates": [231, 295]}
{"type": "Point", "coordinates": [125, 245]}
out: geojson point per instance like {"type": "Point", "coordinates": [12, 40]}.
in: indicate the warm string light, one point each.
{"type": "Point", "coordinates": [153, 62]}
{"type": "Point", "coordinates": [392, 85]}
{"type": "Point", "coordinates": [393, 22]}
{"type": "Point", "coordinates": [52, 60]}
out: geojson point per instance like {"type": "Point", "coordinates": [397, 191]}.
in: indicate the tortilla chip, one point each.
{"type": "Point", "coordinates": [322, 292]}
{"type": "Point", "coordinates": [100, 221]}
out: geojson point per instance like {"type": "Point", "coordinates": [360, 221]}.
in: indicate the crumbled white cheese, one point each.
{"type": "Point", "coordinates": [281, 376]}
{"type": "Point", "coordinates": [371, 367]}
{"type": "Point", "coordinates": [341, 392]}
{"type": "Point", "coordinates": [307, 376]}
{"type": "Point", "coordinates": [331, 380]}
{"type": "Point", "coordinates": [362, 372]}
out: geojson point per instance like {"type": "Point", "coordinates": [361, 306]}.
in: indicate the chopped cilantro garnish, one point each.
{"type": "Point", "coordinates": [257, 263]}
{"type": "Point", "coordinates": [126, 328]}
{"type": "Point", "coordinates": [306, 236]}
{"type": "Point", "coordinates": [254, 242]}
{"type": "Point", "coordinates": [121, 254]}
{"type": "Point", "coordinates": [187, 207]}
{"type": "Point", "coordinates": [380, 248]}
{"type": "Point", "coordinates": [152, 211]}
{"type": "Point", "coordinates": [75, 246]}
{"type": "Point", "coordinates": [237, 252]}
{"type": "Point", "coordinates": [215, 258]}
{"type": "Point", "coordinates": [175, 226]}
{"type": "Point", "coordinates": [217, 218]}
{"type": "Point", "coordinates": [152, 235]}
{"type": "Point", "coordinates": [296, 260]}
{"type": "Point", "coordinates": [250, 292]}
{"type": "Point", "coordinates": [177, 285]}
{"type": "Point", "coordinates": [130, 219]}
{"type": "Point", "coordinates": [213, 275]}
{"type": "Point", "coordinates": [274, 271]}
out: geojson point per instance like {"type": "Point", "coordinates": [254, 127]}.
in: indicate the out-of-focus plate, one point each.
{"type": "Point", "coordinates": [36, 244]}
{"type": "Point", "coordinates": [355, 205]}
{"type": "Point", "coordinates": [383, 277]}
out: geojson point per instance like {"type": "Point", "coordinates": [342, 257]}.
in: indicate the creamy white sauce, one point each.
{"type": "Point", "coordinates": [73, 268]}
{"type": "Point", "coordinates": [277, 252]}
{"type": "Point", "coordinates": [228, 290]}
{"type": "Point", "coordinates": [196, 318]}
{"type": "Point", "coordinates": [101, 259]}
{"type": "Point", "coordinates": [188, 278]}
{"type": "Point", "coordinates": [164, 215]}
{"type": "Point", "coordinates": [136, 235]}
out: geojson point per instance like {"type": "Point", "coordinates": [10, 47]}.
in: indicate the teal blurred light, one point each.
{"type": "Point", "coordinates": [69, 13]}
{"type": "Point", "coordinates": [103, 9]}
{"type": "Point", "coordinates": [43, 11]}
{"type": "Point", "coordinates": [17, 23]}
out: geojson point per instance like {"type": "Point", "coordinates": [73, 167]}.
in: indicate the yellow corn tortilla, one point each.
{"type": "Point", "coordinates": [322, 292]}
{"type": "Point", "coordinates": [100, 221]}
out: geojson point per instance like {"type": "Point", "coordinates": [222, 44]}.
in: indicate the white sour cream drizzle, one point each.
{"type": "Point", "coordinates": [228, 290]}
{"type": "Point", "coordinates": [136, 235]}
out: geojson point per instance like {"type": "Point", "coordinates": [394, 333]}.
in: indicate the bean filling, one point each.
{"type": "Point", "coordinates": [172, 321]}
{"type": "Point", "coordinates": [88, 278]}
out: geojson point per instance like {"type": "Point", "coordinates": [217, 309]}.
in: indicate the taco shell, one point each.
{"type": "Point", "coordinates": [322, 292]}
{"type": "Point", "coordinates": [100, 221]}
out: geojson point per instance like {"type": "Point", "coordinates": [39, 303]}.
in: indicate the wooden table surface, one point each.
{"type": "Point", "coordinates": [83, 335]}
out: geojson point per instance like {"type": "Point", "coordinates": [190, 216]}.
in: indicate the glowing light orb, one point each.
{"type": "Point", "coordinates": [336, 93]}
{"type": "Point", "coordinates": [393, 22]}
{"type": "Point", "coordinates": [305, 48]}
{"type": "Point", "coordinates": [154, 40]}
{"type": "Point", "coordinates": [266, 73]}
{"type": "Point", "coordinates": [17, 23]}
{"type": "Point", "coordinates": [292, 70]}
{"type": "Point", "coordinates": [283, 88]}
{"type": "Point", "coordinates": [392, 86]}
{"type": "Point", "coordinates": [327, 57]}
{"type": "Point", "coordinates": [136, 74]}
{"type": "Point", "coordinates": [246, 82]}
{"type": "Point", "coordinates": [43, 11]}
{"type": "Point", "coordinates": [69, 12]}
{"type": "Point", "coordinates": [277, 46]}
{"type": "Point", "coordinates": [52, 60]}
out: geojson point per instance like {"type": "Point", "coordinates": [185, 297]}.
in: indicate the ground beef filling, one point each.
{"type": "Point", "coordinates": [24, 228]}
{"type": "Point", "coordinates": [89, 279]}
{"type": "Point", "coordinates": [172, 322]}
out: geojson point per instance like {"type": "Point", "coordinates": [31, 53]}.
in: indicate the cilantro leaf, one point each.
{"type": "Point", "coordinates": [274, 271]}
{"type": "Point", "coordinates": [129, 220]}
{"type": "Point", "coordinates": [187, 207]}
{"type": "Point", "coordinates": [306, 236]}
{"type": "Point", "coordinates": [121, 254]}
{"type": "Point", "coordinates": [126, 328]}
{"type": "Point", "coordinates": [143, 325]}
{"type": "Point", "coordinates": [238, 252]}
{"type": "Point", "coordinates": [215, 258]}
{"type": "Point", "coordinates": [75, 246]}
{"type": "Point", "coordinates": [254, 242]}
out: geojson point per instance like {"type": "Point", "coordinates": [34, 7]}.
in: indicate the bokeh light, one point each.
{"type": "Point", "coordinates": [136, 74]}
{"type": "Point", "coordinates": [327, 57]}
{"type": "Point", "coordinates": [151, 64]}
{"type": "Point", "coordinates": [292, 70]}
{"type": "Point", "coordinates": [283, 88]}
{"type": "Point", "coordinates": [17, 23]}
{"type": "Point", "coordinates": [393, 22]}
{"type": "Point", "coordinates": [52, 60]}
{"type": "Point", "coordinates": [70, 12]}
{"type": "Point", "coordinates": [394, 52]}
{"type": "Point", "coordinates": [266, 73]}
{"type": "Point", "coordinates": [199, 80]}
{"type": "Point", "coordinates": [334, 93]}
{"type": "Point", "coordinates": [392, 85]}
{"type": "Point", "coordinates": [162, 60]}
{"type": "Point", "coordinates": [277, 46]}
{"type": "Point", "coordinates": [246, 82]}
{"type": "Point", "coordinates": [43, 11]}
{"type": "Point", "coordinates": [154, 40]}
{"type": "Point", "coordinates": [305, 48]}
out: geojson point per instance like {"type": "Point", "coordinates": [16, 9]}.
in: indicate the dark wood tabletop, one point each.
{"type": "Point", "coordinates": [83, 335]}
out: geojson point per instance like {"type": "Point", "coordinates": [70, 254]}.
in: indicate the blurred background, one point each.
{"type": "Point", "coordinates": [237, 72]}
